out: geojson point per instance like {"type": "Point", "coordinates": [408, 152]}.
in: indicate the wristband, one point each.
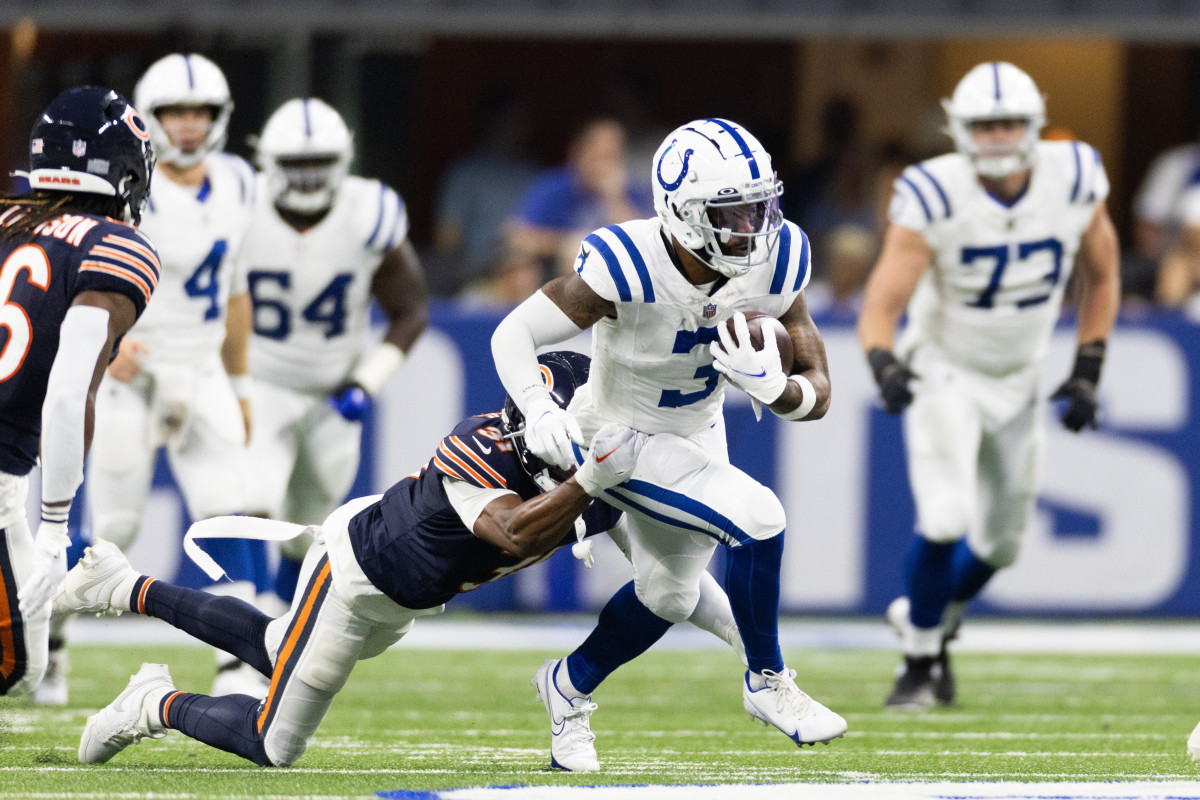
{"type": "Point", "coordinates": [241, 385]}
{"type": "Point", "coordinates": [1088, 359]}
{"type": "Point", "coordinates": [808, 399]}
{"type": "Point", "coordinates": [377, 366]}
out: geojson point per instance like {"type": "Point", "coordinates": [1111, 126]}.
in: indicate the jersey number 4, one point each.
{"type": "Point", "coordinates": [273, 315]}
{"type": "Point", "coordinates": [999, 254]}
{"type": "Point", "coordinates": [204, 282]}
{"type": "Point", "coordinates": [32, 259]}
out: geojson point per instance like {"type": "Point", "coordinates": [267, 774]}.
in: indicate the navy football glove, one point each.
{"type": "Point", "coordinates": [350, 400]}
{"type": "Point", "coordinates": [893, 376]}
{"type": "Point", "coordinates": [1075, 400]}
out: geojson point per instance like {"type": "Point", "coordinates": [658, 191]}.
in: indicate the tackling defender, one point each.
{"type": "Point", "coordinates": [980, 248]}
{"type": "Point", "coordinates": [659, 292]}
{"type": "Point", "coordinates": [73, 280]}
{"type": "Point", "coordinates": [321, 245]}
{"type": "Point", "coordinates": [482, 509]}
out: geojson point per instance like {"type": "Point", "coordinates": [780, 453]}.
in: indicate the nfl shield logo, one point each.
{"type": "Point", "coordinates": [35, 147]}
{"type": "Point", "coordinates": [79, 148]}
{"type": "Point", "coordinates": [710, 310]}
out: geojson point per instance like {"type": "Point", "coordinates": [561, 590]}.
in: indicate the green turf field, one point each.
{"type": "Point", "coordinates": [424, 719]}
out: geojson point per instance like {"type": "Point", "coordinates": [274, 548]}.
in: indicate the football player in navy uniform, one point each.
{"type": "Point", "coordinates": [482, 508]}
{"type": "Point", "coordinates": [73, 279]}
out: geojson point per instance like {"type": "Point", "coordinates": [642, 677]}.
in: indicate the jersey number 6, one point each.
{"type": "Point", "coordinates": [29, 258]}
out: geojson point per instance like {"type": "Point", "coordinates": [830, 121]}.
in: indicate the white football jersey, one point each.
{"type": "Point", "coordinates": [312, 290]}
{"type": "Point", "coordinates": [992, 295]}
{"type": "Point", "coordinates": [197, 233]}
{"type": "Point", "coordinates": [651, 366]}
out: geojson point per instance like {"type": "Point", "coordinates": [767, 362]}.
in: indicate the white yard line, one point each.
{"type": "Point", "coordinates": [552, 633]}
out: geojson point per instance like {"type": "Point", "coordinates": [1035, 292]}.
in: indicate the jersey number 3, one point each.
{"type": "Point", "coordinates": [32, 259]}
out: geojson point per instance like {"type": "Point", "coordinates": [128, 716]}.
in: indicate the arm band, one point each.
{"type": "Point", "coordinates": [378, 365]}
{"type": "Point", "coordinates": [808, 399]}
{"type": "Point", "coordinates": [242, 385]}
{"type": "Point", "coordinates": [535, 323]}
{"type": "Point", "coordinates": [82, 337]}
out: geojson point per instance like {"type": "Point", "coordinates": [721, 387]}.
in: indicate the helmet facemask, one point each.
{"type": "Point", "coordinates": [738, 229]}
{"type": "Point", "coordinates": [307, 184]}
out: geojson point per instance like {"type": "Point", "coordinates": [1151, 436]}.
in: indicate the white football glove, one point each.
{"type": "Point", "coordinates": [49, 569]}
{"type": "Point", "coordinates": [611, 460]}
{"type": "Point", "coordinates": [755, 372]}
{"type": "Point", "coordinates": [549, 431]}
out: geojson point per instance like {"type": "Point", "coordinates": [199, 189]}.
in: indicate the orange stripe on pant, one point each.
{"type": "Point", "coordinates": [285, 652]}
{"type": "Point", "coordinates": [8, 645]}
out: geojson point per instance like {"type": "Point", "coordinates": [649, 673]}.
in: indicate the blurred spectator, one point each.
{"type": "Point", "coordinates": [512, 276]}
{"type": "Point", "coordinates": [480, 192]}
{"type": "Point", "coordinates": [837, 188]}
{"type": "Point", "coordinates": [1178, 284]}
{"type": "Point", "coordinates": [1157, 214]}
{"type": "Point", "coordinates": [852, 250]}
{"type": "Point", "coordinates": [591, 190]}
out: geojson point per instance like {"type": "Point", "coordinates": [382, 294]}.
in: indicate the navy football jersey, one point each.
{"type": "Point", "coordinates": [39, 278]}
{"type": "Point", "coordinates": [413, 545]}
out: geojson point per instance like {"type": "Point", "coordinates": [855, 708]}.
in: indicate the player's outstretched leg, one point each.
{"type": "Point", "coordinates": [133, 716]}
{"type": "Point", "coordinates": [572, 743]}
{"type": "Point", "coordinates": [103, 582]}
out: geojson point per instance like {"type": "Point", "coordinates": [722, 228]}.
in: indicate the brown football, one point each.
{"type": "Point", "coordinates": [756, 321]}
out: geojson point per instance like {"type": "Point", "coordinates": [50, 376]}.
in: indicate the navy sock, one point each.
{"type": "Point", "coordinates": [226, 623]}
{"type": "Point", "coordinates": [625, 630]}
{"type": "Point", "coordinates": [752, 583]}
{"type": "Point", "coordinates": [228, 723]}
{"type": "Point", "coordinates": [285, 578]}
{"type": "Point", "coordinates": [928, 581]}
{"type": "Point", "coordinates": [970, 573]}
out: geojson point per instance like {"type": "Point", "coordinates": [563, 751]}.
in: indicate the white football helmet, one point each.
{"type": "Point", "coordinates": [996, 90]}
{"type": "Point", "coordinates": [305, 151]}
{"type": "Point", "coordinates": [716, 194]}
{"type": "Point", "coordinates": [184, 80]}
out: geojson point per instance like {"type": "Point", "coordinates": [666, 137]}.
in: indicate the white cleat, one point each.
{"type": "Point", "coordinates": [133, 716]}
{"type": "Point", "coordinates": [572, 745]}
{"type": "Point", "coordinates": [52, 691]}
{"type": "Point", "coordinates": [781, 703]}
{"type": "Point", "coordinates": [101, 583]}
{"type": "Point", "coordinates": [1193, 744]}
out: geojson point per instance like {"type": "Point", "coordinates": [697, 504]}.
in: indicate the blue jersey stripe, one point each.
{"type": "Point", "coordinates": [712, 518]}
{"type": "Point", "coordinates": [741, 142]}
{"type": "Point", "coordinates": [205, 191]}
{"type": "Point", "coordinates": [920, 197]}
{"type": "Point", "coordinates": [396, 238]}
{"type": "Point", "coordinates": [938, 187]}
{"type": "Point", "coordinates": [1078, 172]}
{"type": "Point", "coordinates": [639, 263]}
{"type": "Point", "coordinates": [781, 260]}
{"type": "Point", "coordinates": [379, 219]}
{"type": "Point", "coordinates": [614, 266]}
{"type": "Point", "coordinates": [804, 265]}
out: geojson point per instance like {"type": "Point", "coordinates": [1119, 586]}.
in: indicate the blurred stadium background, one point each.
{"type": "Point", "coordinates": [1117, 531]}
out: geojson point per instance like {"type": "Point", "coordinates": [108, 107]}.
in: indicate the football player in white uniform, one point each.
{"type": "Point", "coordinates": [659, 292]}
{"type": "Point", "coordinates": [321, 245]}
{"type": "Point", "coordinates": [180, 381]}
{"type": "Point", "coordinates": [980, 248]}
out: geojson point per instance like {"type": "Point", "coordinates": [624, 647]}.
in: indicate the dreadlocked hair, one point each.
{"type": "Point", "coordinates": [42, 205]}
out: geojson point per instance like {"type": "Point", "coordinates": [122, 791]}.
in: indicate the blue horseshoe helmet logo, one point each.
{"type": "Point", "coordinates": [675, 184]}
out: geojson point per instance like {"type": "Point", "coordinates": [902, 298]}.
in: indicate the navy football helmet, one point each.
{"type": "Point", "coordinates": [91, 140]}
{"type": "Point", "coordinates": [563, 371]}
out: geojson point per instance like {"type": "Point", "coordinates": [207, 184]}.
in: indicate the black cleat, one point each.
{"type": "Point", "coordinates": [914, 689]}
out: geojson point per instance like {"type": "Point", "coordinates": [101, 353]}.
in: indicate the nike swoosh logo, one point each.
{"type": "Point", "coordinates": [762, 374]}
{"type": "Point", "coordinates": [600, 459]}
{"type": "Point", "coordinates": [481, 446]}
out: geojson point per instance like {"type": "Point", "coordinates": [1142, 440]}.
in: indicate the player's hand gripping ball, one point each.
{"type": "Point", "coordinates": [757, 322]}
